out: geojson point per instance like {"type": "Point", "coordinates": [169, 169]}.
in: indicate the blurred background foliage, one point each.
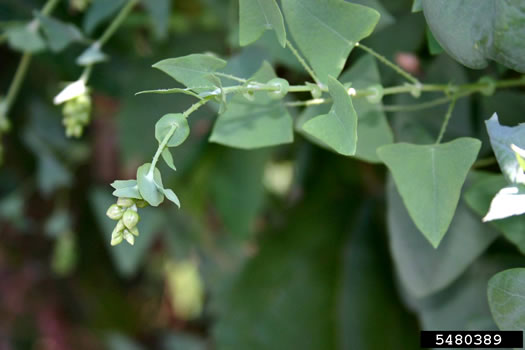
{"type": "Point", "coordinates": [279, 248]}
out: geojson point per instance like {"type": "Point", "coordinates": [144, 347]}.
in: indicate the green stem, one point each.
{"type": "Point", "coordinates": [124, 12]}
{"type": "Point", "coordinates": [446, 120]}
{"type": "Point", "coordinates": [20, 74]}
{"type": "Point", "coordinates": [390, 64]}
{"type": "Point", "coordinates": [171, 131]}
{"type": "Point", "coordinates": [23, 66]}
{"type": "Point", "coordinates": [231, 77]}
{"type": "Point", "coordinates": [108, 33]}
{"type": "Point", "coordinates": [303, 63]}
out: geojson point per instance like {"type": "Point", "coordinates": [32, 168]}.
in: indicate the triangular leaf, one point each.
{"type": "Point", "coordinates": [25, 38]}
{"type": "Point", "coordinates": [373, 129]}
{"type": "Point", "coordinates": [59, 34]}
{"type": "Point", "coordinates": [429, 179]}
{"type": "Point", "coordinates": [423, 270]}
{"type": "Point", "coordinates": [338, 128]}
{"type": "Point", "coordinates": [326, 31]}
{"type": "Point", "coordinates": [91, 55]}
{"type": "Point", "coordinates": [257, 16]}
{"type": "Point", "coordinates": [99, 11]}
{"type": "Point", "coordinates": [501, 139]}
{"type": "Point", "coordinates": [252, 124]}
{"type": "Point", "coordinates": [506, 295]}
{"type": "Point", "coordinates": [192, 70]}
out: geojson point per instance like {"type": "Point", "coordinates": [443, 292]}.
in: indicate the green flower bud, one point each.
{"type": "Point", "coordinates": [134, 231]}
{"type": "Point", "coordinates": [116, 238]}
{"type": "Point", "coordinates": [128, 237]}
{"type": "Point", "coordinates": [115, 212]}
{"type": "Point", "coordinates": [119, 227]}
{"type": "Point", "coordinates": [130, 218]}
{"type": "Point", "coordinates": [125, 202]}
{"type": "Point", "coordinates": [141, 203]}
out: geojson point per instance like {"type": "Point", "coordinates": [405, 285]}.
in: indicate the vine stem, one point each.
{"type": "Point", "coordinates": [303, 63]}
{"type": "Point", "coordinates": [446, 120]}
{"type": "Point", "coordinates": [390, 64]}
{"type": "Point", "coordinates": [22, 68]}
{"type": "Point", "coordinates": [108, 33]}
{"type": "Point", "coordinates": [171, 131]}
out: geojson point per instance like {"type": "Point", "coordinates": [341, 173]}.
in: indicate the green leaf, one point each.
{"type": "Point", "coordinates": [423, 270]}
{"type": "Point", "coordinates": [192, 70]}
{"type": "Point", "coordinates": [150, 185]}
{"type": "Point", "coordinates": [501, 139]}
{"type": "Point", "coordinates": [59, 34]}
{"type": "Point", "coordinates": [117, 184]}
{"type": "Point", "coordinates": [506, 299]}
{"type": "Point", "coordinates": [509, 201]}
{"type": "Point", "coordinates": [463, 305]}
{"type": "Point", "coordinates": [429, 178]}
{"type": "Point", "coordinates": [479, 197]}
{"type": "Point", "coordinates": [172, 196]}
{"type": "Point", "coordinates": [126, 188]}
{"type": "Point", "coordinates": [170, 91]}
{"type": "Point", "coordinates": [165, 124]}
{"type": "Point", "coordinates": [160, 12]}
{"type": "Point", "coordinates": [287, 290]}
{"type": "Point", "coordinates": [417, 6]}
{"type": "Point", "coordinates": [25, 38]}
{"type": "Point", "coordinates": [237, 190]}
{"type": "Point", "coordinates": [386, 19]}
{"type": "Point", "coordinates": [367, 290]}
{"type": "Point", "coordinates": [91, 55]}
{"type": "Point", "coordinates": [433, 46]}
{"type": "Point", "coordinates": [483, 30]}
{"type": "Point", "coordinates": [257, 16]}
{"type": "Point", "coordinates": [338, 128]}
{"type": "Point", "coordinates": [373, 129]}
{"type": "Point", "coordinates": [259, 123]}
{"type": "Point", "coordinates": [327, 31]}
{"type": "Point", "coordinates": [168, 158]}
{"type": "Point", "coordinates": [99, 11]}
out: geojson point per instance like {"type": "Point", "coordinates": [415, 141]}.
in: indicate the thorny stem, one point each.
{"type": "Point", "coordinates": [390, 64]}
{"type": "Point", "coordinates": [446, 120]}
{"type": "Point", "coordinates": [303, 63]}
{"type": "Point", "coordinates": [21, 71]}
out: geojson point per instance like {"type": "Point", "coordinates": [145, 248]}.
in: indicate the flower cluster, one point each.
{"type": "Point", "coordinates": [76, 108]}
{"type": "Point", "coordinates": [76, 115]}
{"type": "Point", "coordinates": [125, 211]}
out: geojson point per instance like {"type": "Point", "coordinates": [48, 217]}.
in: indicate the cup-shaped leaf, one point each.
{"type": "Point", "coordinates": [174, 124]}
{"type": "Point", "coordinates": [150, 184]}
